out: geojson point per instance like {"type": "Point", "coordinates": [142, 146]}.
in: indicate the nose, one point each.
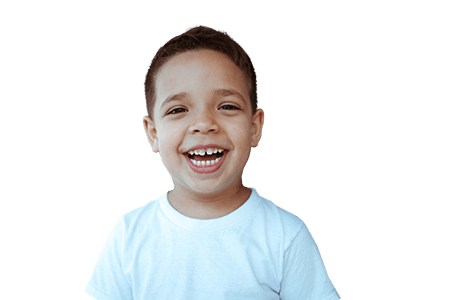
{"type": "Point", "coordinates": [204, 122]}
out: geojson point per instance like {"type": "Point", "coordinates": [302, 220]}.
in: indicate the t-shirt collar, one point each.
{"type": "Point", "coordinates": [210, 225]}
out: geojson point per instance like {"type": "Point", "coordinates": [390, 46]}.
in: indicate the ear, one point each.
{"type": "Point", "coordinates": [257, 123]}
{"type": "Point", "coordinates": [151, 133]}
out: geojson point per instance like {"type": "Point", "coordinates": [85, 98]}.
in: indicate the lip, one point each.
{"type": "Point", "coordinates": [206, 169]}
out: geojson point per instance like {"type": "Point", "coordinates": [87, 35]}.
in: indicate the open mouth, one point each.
{"type": "Point", "coordinates": [205, 157]}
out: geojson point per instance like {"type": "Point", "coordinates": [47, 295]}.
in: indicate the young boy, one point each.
{"type": "Point", "coordinates": [210, 237]}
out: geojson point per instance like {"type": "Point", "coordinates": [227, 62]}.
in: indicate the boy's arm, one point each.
{"type": "Point", "coordinates": [304, 274]}
{"type": "Point", "coordinates": [108, 281]}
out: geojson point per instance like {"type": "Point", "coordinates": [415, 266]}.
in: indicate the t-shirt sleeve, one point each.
{"type": "Point", "coordinates": [108, 281]}
{"type": "Point", "coordinates": [304, 276]}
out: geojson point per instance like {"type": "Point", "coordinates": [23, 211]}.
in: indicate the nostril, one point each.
{"type": "Point", "coordinates": [204, 127]}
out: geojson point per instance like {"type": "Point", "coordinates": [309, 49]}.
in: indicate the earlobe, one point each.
{"type": "Point", "coordinates": [257, 123]}
{"type": "Point", "coordinates": [151, 132]}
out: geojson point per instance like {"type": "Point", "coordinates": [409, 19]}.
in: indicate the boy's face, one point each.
{"type": "Point", "coordinates": [203, 105]}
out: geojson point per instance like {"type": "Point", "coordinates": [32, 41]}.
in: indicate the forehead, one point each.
{"type": "Point", "coordinates": [198, 73]}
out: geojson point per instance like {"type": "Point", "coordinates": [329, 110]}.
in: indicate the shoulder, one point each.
{"type": "Point", "coordinates": [139, 218]}
{"type": "Point", "coordinates": [280, 214]}
{"type": "Point", "coordinates": [279, 220]}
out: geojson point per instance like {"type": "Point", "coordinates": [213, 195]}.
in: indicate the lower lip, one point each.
{"type": "Point", "coordinates": [206, 169]}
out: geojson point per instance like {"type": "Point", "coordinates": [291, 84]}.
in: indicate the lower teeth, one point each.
{"type": "Point", "coordinates": [205, 163]}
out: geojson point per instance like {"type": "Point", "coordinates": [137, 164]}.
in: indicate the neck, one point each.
{"type": "Point", "coordinates": [208, 205]}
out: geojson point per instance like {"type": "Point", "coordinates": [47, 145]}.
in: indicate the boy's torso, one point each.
{"type": "Point", "coordinates": [165, 255]}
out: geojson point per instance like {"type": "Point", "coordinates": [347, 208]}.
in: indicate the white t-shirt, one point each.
{"type": "Point", "coordinates": [258, 251]}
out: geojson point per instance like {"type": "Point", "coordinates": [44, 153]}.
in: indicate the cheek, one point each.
{"type": "Point", "coordinates": [168, 141]}
{"type": "Point", "coordinates": [163, 148]}
{"type": "Point", "coordinates": [242, 139]}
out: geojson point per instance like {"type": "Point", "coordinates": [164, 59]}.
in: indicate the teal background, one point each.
{"type": "Point", "coordinates": [363, 138]}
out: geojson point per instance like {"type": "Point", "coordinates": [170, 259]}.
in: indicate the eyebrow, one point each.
{"type": "Point", "coordinates": [217, 92]}
{"type": "Point", "coordinates": [173, 98]}
{"type": "Point", "coordinates": [229, 92]}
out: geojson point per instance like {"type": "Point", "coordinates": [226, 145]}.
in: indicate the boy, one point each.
{"type": "Point", "coordinates": [210, 237]}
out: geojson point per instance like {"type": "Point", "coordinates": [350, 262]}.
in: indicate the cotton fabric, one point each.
{"type": "Point", "coordinates": [258, 251]}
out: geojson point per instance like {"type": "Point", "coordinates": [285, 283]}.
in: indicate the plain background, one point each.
{"type": "Point", "coordinates": [364, 136]}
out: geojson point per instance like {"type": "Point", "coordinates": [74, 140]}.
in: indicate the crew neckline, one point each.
{"type": "Point", "coordinates": [210, 225]}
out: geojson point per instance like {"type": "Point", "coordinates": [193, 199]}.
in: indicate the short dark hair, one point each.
{"type": "Point", "coordinates": [196, 38]}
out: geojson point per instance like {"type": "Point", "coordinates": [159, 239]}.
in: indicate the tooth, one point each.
{"type": "Point", "coordinates": [196, 152]}
{"type": "Point", "coordinates": [191, 152]}
{"type": "Point", "coordinates": [212, 161]}
{"type": "Point", "coordinates": [207, 163]}
{"type": "Point", "coordinates": [217, 159]}
{"type": "Point", "coordinates": [220, 150]}
{"type": "Point", "coordinates": [198, 163]}
{"type": "Point", "coordinates": [209, 151]}
{"type": "Point", "coordinates": [215, 150]}
{"type": "Point", "coordinates": [194, 162]}
{"type": "Point", "coordinates": [202, 163]}
{"type": "Point", "coordinates": [202, 152]}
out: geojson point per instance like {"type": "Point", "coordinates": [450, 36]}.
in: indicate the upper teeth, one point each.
{"type": "Point", "coordinates": [208, 151]}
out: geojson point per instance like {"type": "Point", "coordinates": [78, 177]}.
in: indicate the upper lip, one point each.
{"type": "Point", "coordinates": [212, 146]}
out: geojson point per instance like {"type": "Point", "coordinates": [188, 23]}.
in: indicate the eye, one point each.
{"type": "Point", "coordinates": [176, 110]}
{"type": "Point", "coordinates": [229, 107]}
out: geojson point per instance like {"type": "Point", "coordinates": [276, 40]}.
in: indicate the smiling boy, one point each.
{"type": "Point", "coordinates": [203, 105]}
{"type": "Point", "coordinates": [210, 237]}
